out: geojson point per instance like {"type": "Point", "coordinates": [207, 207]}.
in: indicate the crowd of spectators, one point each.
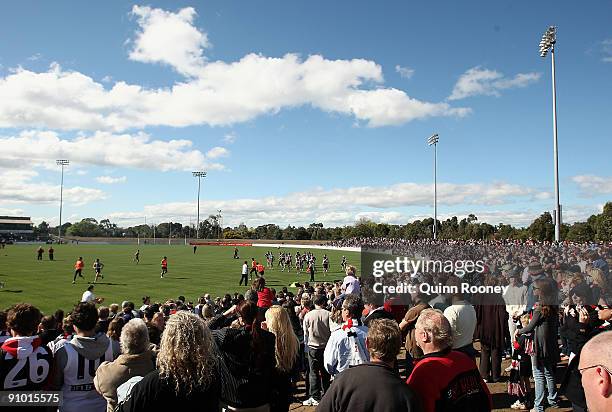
{"type": "Point", "coordinates": [248, 352]}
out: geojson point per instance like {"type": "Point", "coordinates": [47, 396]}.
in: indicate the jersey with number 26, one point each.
{"type": "Point", "coordinates": [25, 374]}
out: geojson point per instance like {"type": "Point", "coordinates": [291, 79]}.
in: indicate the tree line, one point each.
{"type": "Point", "coordinates": [596, 228]}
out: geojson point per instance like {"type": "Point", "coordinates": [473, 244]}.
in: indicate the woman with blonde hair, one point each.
{"type": "Point", "coordinates": [286, 354]}
{"type": "Point", "coordinates": [187, 370]}
{"type": "Point", "coordinates": [601, 291]}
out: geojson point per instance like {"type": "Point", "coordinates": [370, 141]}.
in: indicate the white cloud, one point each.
{"type": "Point", "coordinates": [230, 138]}
{"type": "Point", "coordinates": [107, 79]}
{"type": "Point", "coordinates": [217, 152]}
{"type": "Point", "coordinates": [11, 212]}
{"type": "Point", "coordinates": [109, 180]}
{"type": "Point", "coordinates": [340, 205]}
{"type": "Point", "coordinates": [405, 72]}
{"type": "Point", "coordinates": [591, 185]}
{"type": "Point", "coordinates": [214, 93]}
{"type": "Point", "coordinates": [479, 81]}
{"type": "Point", "coordinates": [169, 38]}
{"type": "Point", "coordinates": [17, 186]}
{"type": "Point", "coordinates": [34, 57]}
{"type": "Point", "coordinates": [103, 149]}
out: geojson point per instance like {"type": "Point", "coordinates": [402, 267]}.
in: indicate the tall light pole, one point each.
{"type": "Point", "coordinates": [199, 175]}
{"type": "Point", "coordinates": [433, 140]}
{"type": "Point", "coordinates": [548, 43]}
{"type": "Point", "coordinates": [220, 225]}
{"type": "Point", "coordinates": [61, 163]}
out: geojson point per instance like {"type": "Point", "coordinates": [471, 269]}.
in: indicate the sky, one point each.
{"type": "Point", "coordinates": [302, 112]}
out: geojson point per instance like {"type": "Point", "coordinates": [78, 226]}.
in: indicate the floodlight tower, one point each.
{"type": "Point", "coordinates": [549, 39]}
{"type": "Point", "coordinates": [199, 175]}
{"type": "Point", "coordinates": [61, 163]}
{"type": "Point", "coordinates": [433, 140]}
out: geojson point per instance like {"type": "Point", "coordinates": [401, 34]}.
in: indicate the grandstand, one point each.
{"type": "Point", "coordinates": [16, 228]}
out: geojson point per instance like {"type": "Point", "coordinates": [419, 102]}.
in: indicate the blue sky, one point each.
{"type": "Point", "coordinates": [302, 112]}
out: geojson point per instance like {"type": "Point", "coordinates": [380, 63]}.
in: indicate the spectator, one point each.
{"type": "Point", "coordinates": [114, 329]}
{"type": "Point", "coordinates": [249, 356]}
{"type": "Point", "coordinates": [59, 318]}
{"type": "Point", "coordinates": [187, 371]}
{"type": "Point", "coordinates": [4, 333]}
{"type": "Point", "coordinates": [346, 346]}
{"type": "Point", "coordinates": [596, 369]}
{"type": "Point", "coordinates": [375, 311]}
{"type": "Point", "coordinates": [198, 308]}
{"type": "Point", "coordinates": [577, 328]}
{"type": "Point", "coordinates": [264, 296]}
{"type": "Point", "coordinates": [545, 326]}
{"type": "Point", "coordinates": [114, 309]}
{"type": "Point", "coordinates": [316, 335]}
{"type": "Point", "coordinates": [491, 330]}
{"type": "Point", "coordinates": [515, 298]}
{"type": "Point", "coordinates": [23, 353]}
{"type": "Point", "coordinates": [373, 386]}
{"type": "Point", "coordinates": [462, 317]}
{"type": "Point", "coordinates": [286, 354]}
{"type": "Point", "coordinates": [146, 302]}
{"type": "Point", "coordinates": [47, 330]}
{"type": "Point", "coordinates": [128, 311]}
{"type": "Point", "coordinates": [445, 380]}
{"type": "Point", "coordinates": [103, 320]}
{"type": "Point", "coordinates": [135, 360]}
{"type": "Point", "coordinates": [407, 325]}
{"type": "Point", "coordinates": [350, 284]}
{"type": "Point", "coordinates": [207, 312]}
{"type": "Point", "coordinates": [76, 361]}
{"type": "Point", "coordinates": [602, 295]}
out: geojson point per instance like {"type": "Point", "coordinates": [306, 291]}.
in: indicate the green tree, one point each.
{"type": "Point", "coordinates": [87, 227]}
{"type": "Point", "coordinates": [603, 224]}
{"type": "Point", "coordinates": [542, 228]}
{"type": "Point", "coordinates": [580, 232]}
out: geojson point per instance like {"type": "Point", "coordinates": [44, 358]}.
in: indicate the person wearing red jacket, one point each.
{"type": "Point", "coordinates": [458, 385]}
{"type": "Point", "coordinates": [264, 296]}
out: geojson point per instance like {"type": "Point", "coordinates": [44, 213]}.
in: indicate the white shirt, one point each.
{"type": "Point", "coordinates": [462, 318]}
{"type": "Point", "coordinates": [245, 269]}
{"type": "Point", "coordinates": [516, 299]}
{"type": "Point", "coordinates": [350, 284]}
{"type": "Point", "coordinates": [88, 296]}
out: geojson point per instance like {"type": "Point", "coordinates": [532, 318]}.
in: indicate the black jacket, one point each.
{"type": "Point", "coordinates": [371, 387]}
{"type": "Point", "coordinates": [545, 335]}
{"type": "Point", "coordinates": [153, 394]}
{"type": "Point", "coordinates": [247, 371]}
{"type": "Point", "coordinates": [377, 314]}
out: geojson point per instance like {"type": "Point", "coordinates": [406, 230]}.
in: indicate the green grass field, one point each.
{"type": "Point", "coordinates": [48, 284]}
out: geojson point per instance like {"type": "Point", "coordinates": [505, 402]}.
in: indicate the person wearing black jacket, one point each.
{"type": "Point", "coordinates": [545, 324]}
{"type": "Point", "coordinates": [375, 312]}
{"type": "Point", "coordinates": [248, 354]}
{"type": "Point", "coordinates": [374, 386]}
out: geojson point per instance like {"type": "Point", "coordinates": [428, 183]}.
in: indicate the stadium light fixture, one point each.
{"type": "Point", "coordinates": [61, 163]}
{"type": "Point", "coordinates": [433, 141]}
{"type": "Point", "coordinates": [549, 39]}
{"type": "Point", "coordinates": [199, 175]}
